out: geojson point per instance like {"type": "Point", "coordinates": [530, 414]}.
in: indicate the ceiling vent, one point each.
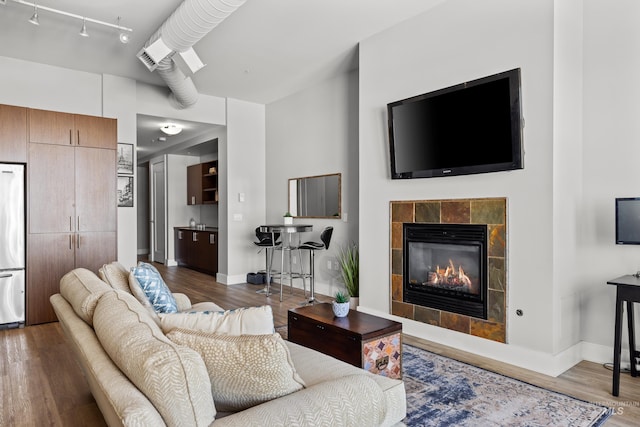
{"type": "Point", "coordinates": [152, 54]}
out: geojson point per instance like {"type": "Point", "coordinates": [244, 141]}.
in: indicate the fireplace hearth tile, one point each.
{"type": "Point", "coordinates": [396, 261]}
{"type": "Point", "coordinates": [480, 211]}
{"type": "Point", "coordinates": [497, 277]}
{"type": "Point", "coordinates": [396, 235]}
{"type": "Point", "coordinates": [396, 287]}
{"type": "Point", "coordinates": [495, 309]}
{"type": "Point", "coordinates": [402, 212]}
{"type": "Point", "coordinates": [488, 330]}
{"type": "Point", "coordinates": [497, 241]}
{"type": "Point", "coordinates": [455, 322]}
{"type": "Point", "coordinates": [402, 309]}
{"type": "Point", "coordinates": [456, 212]}
{"type": "Point", "coordinates": [488, 211]}
{"type": "Point", "coordinates": [428, 212]}
{"type": "Point", "coordinates": [427, 315]}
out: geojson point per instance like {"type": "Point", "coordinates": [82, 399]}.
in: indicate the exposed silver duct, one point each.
{"type": "Point", "coordinates": [189, 23]}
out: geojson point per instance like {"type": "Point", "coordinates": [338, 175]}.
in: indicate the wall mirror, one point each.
{"type": "Point", "coordinates": [316, 196]}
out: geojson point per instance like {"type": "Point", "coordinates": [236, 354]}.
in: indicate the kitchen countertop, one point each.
{"type": "Point", "coordinates": [186, 227]}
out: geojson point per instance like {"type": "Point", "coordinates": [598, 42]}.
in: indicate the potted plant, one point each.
{"type": "Point", "coordinates": [288, 218]}
{"type": "Point", "coordinates": [348, 257]}
{"type": "Point", "coordinates": [341, 304]}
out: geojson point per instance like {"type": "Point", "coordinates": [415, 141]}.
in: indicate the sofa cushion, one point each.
{"type": "Point", "coordinates": [244, 370]}
{"type": "Point", "coordinates": [82, 289]}
{"type": "Point", "coordinates": [241, 321]}
{"type": "Point", "coordinates": [174, 378]}
{"type": "Point", "coordinates": [148, 279]}
{"type": "Point", "coordinates": [115, 275]}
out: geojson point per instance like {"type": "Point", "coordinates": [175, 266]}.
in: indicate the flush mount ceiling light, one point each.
{"type": "Point", "coordinates": [171, 129]}
{"type": "Point", "coordinates": [123, 32]}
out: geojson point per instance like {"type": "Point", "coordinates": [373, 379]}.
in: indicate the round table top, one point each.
{"type": "Point", "coordinates": [285, 228]}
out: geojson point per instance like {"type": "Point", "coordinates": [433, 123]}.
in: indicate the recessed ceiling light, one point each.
{"type": "Point", "coordinates": [171, 129]}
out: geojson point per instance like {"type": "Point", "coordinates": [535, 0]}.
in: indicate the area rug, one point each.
{"type": "Point", "coordinates": [445, 392]}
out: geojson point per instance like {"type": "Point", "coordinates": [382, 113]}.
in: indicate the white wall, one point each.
{"type": "Point", "coordinates": [314, 132]}
{"type": "Point", "coordinates": [610, 160]}
{"type": "Point", "coordinates": [459, 41]}
{"type": "Point", "coordinates": [241, 171]}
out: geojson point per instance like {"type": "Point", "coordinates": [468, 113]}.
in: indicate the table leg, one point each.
{"type": "Point", "coordinates": [632, 339]}
{"type": "Point", "coordinates": [617, 345]}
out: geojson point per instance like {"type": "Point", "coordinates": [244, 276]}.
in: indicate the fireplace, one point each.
{"type": "Point", "coordinates": [445, 267]}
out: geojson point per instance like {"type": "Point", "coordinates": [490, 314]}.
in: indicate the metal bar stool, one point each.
{"type": "Point", "coordinates": [312, 247]}
{"type": "Point", "coordinates": [267, 242]}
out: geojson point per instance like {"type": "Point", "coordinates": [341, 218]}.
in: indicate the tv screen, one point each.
{"type": "Point", "coordinates": [628, 221]}
{"type": "Point", "coordinates": [473, 127]}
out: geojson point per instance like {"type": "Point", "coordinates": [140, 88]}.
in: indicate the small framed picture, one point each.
{"type": "Point", "coordinates": [125, 158]}
{"type": "Point", "coordinates": [125, 191]}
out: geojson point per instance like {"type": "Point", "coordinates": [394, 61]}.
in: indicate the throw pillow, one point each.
{"type": "Point", "coordinates": [115, 275]}
{"type": "Point", "coordinates": [244, 370]}
{"type": "Point", "coordinates": [155, 290]}
{"type": "Point", "coordinates": [242, 321]}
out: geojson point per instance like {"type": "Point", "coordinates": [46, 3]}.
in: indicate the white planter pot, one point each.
{"type": "Point", "coordinates": [288, 220]}
{"type": "Point", "coordinates": [340, 309]}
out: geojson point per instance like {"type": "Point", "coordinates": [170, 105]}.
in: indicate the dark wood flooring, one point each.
{"type": "Point", "coordinates": [42, 385]}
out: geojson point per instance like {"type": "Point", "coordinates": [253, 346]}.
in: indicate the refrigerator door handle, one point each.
{"type": "Point", "coordinates": [5, 276]}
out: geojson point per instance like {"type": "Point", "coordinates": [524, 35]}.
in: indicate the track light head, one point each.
{"type": "Point", "coordinates": [83, 31]}
{"type": "Point", "coordinates": [34, 18]}
{"type": "Point", "coordinates": [124, 38]}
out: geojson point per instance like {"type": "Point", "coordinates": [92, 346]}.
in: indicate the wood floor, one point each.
{"type": "Point", "coordinates": [42, 385]}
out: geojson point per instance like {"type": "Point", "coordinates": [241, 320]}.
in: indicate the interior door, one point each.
{"type": "Point", "coordinates": [157, 214]}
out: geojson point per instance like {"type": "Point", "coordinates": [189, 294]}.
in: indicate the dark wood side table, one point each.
{"type": "Point", "coordinates": [627, 290]}
{"type": "Point", "coordinates": [363, 340]}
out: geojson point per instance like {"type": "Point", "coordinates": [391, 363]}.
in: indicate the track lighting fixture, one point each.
{"type": "Point", "coordinates": [123, 32]}
{"type": "Point", "coordinates": [34, 18]}
{"type": "Point", "coordinates": [83, 31]}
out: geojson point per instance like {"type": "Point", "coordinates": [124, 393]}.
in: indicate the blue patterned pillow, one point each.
{"type": "Point", "coordinates": [154, 288]}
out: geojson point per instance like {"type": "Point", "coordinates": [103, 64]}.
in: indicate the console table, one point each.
{"type": "Point", "coordinates": [369, 342]}
{"type": "Point", "coordinates": [627, 290]}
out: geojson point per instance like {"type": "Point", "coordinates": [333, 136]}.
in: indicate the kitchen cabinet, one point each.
{"type": "Point", "coordinates": [52, 127]}
{"type": "Point", "coordinates": [13, 134]}
{"type": "Point", "coordinates": [202, 183]}
{"type": "Point", "coordinates": [72, 219]}
{"type": "Point", "coordinates": [197, 249]}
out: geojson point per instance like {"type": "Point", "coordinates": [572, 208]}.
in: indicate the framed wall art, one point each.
{"type": "Point", "coordinates": [125, 158]}
{"type": "Point", "coordinates": [125, 191]}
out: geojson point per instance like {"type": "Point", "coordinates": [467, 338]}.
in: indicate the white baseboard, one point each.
{"type": "Point", "coordinates": [226, 279]}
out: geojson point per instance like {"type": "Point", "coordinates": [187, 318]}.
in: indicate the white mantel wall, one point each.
{"type": "Point", "coordinates": [458, 41]}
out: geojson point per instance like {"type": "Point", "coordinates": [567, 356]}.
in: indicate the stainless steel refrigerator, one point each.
{"type": "Point", "coordinates": [12, 246]}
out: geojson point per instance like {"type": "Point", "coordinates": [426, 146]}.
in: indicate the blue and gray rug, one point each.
{"type": "Point", "coordinates": [445, 392]}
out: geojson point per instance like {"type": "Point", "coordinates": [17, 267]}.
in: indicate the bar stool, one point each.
{"type": "Point", "coordinates": [312, 247]}
{"type": "Point", "coordinates": [286, 249]}
{"type": "Point", "coordinates": [267, 242]}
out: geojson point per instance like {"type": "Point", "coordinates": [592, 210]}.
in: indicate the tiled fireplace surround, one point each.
{"type": "Point", "coordinates": [457, 211]}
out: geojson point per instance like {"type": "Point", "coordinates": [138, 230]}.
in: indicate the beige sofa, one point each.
{"type": "Point", "coordinates": [122, 349]}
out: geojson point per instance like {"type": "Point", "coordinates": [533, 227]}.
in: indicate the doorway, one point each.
{"type": "Point", "coordinates": [157, 214]}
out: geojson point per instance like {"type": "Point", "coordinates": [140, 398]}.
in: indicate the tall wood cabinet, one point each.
{"type": "Point", "coordinates": [13, 134]}
{"type": "Point", "coordinates": [72, 202]}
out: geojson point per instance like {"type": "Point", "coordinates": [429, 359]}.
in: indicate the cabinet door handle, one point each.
{"type": "Point", "coordinates": [212, 239]}
{"type": "Point", "coordinates": [78, 241]}
{"type": "Point", "coordinates": [179, 234]}
{"type": "Point", "coordinates": [78, 136]}
{"type": "Point", "coordinates": [70, 137]}
{"type": "Point", "coordinates": [320, 327]}
{"type": "Point", "coordinates": [78, 223]}
{"type": "Point", "coordinates": [195, 237]}
{"type": "Point", "coordinates": [70, 223]}
{"type": "Point", "coordinates": [193, 200]}
{"type": "Point", "coordinates": [70, 241]}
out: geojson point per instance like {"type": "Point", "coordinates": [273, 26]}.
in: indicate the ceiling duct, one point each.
{"type": "Point", "coordinates": [189, 23]}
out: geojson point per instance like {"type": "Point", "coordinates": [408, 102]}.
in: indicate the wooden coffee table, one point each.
{"type": "Point", "coordinates": [363, 340]}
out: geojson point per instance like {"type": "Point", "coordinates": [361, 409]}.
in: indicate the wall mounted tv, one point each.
{"type": "Point", "coordinates": [472, 127]}
{"type": "Point", "coordinates": [628, 220]}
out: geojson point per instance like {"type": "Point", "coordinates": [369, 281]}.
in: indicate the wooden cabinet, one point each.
{"type": "Point", "coordinates": [52, 127]}
{"type": "Point", "coordinates": [72, 217]}
{"type": "Point", "coordinates": [197, 249]}
{"type": "Point", "coordinates": [13, 134]}
{"type": "Point", "coordinates": [202, 183]}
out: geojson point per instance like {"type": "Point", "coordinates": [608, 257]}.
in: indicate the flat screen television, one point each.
{"type": "Point", "coordinates": [628, 220]}
{"type": "Point", "coordinates": [472, 127]}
